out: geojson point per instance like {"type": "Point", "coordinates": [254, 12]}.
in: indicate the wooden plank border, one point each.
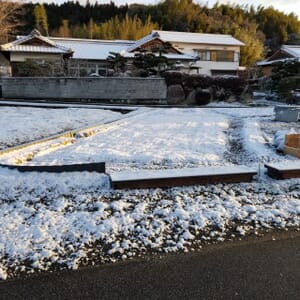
{"type": "Point", "coordinates": [182, 181]}
{"type": "Point", "coordinates": [275, 173]}
{"type": "Point", "coordinates": [88, 167]}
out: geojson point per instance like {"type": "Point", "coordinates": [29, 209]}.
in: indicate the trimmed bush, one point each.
{"type": "Point", "coordinates": [286, 85]}
{"type": "Point", "coordinates": [202, 97]}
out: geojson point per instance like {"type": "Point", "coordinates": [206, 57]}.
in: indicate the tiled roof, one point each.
{"type": "Point", "coordinates": [100, 49]}
{"type": "Point", "coordinates": [18, 45]}
{"type": "Point", "coordinates": [36, 49]}
{"type": "Point", "coordinates": [148, 38]}
{"type": "Point", "coordinates": [92, 49]}
{"type": "Point", "coordinates": [198, 38]}
{"type": "Point", "coordinates": [293, 50]}
{"type": "Point", "coordinates": [188, 37]}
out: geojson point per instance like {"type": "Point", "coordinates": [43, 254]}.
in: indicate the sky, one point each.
{"type": "Point", "coordinates": [286, 6]}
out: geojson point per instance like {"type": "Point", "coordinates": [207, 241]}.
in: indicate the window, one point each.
{"type": "Point", "coordinates": [215, 55]}
{"type": "Point", "coordinates": [224, 55]}
{"type": "Point", "coordinates": [203, 54]}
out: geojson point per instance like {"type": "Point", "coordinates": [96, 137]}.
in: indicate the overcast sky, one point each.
{"type": "Point", "coordinates": [286, 6]}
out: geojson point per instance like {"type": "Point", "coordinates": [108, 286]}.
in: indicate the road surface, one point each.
{"type": "Point", "coordinates": [263, 268]}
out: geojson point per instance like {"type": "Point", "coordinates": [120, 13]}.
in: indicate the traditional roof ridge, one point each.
{"type": "Point", "coordinates": [285, 49]}
{"type": "Point", "coordinates": [34, 34]}
{"type": "Point", "coordinates": [153, 35]}
{"type": "Point", "coordinates": [188, 33]}
{"type": "Point", "coordinates": [91, 40]}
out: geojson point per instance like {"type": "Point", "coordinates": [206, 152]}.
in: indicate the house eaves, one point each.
{"type": "Point", "coordinates": [285, 53]}
{"type": "Point", "coordinates": [293, 50]}
{"type": "Point", "coordinates": [48, 46]}
{"type": "Point", "coordinates": [197, 38]}
{"type": "Point", "coordinates": [146, 40]}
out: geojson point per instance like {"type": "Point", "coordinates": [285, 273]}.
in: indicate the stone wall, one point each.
{"type": "Point", "coordinates": [196, 89]}
{"type": "Point", "coordinates": [103, 88]}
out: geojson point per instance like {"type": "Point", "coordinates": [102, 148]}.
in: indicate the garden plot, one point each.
{"type": "Point", "coordinates": [25, 124]}
{"type": "Point", "coordinates": [55, 221]}
{"type": "Point", "coordinates": [164, 139]}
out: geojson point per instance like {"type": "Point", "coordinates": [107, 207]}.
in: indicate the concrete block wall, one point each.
{"type": "Point", "coordinates": [287, 113]}
{"type": "Point", "coordinates": [107, 88]}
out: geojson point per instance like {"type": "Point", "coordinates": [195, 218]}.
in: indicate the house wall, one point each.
{"type": "Point", "coordinates": [22, 57]}
{"type": "Point", "coordinates": [5, 68]}
{"type": "Point", "coordinates": [84, 88]}
{"type": "Point", "coordinates": [84, 67]}
{"type": "Point", "coordinates": [206, 66]}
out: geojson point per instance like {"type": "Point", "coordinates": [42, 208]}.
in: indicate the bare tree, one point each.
{"type": "Point", "coordinates": [10, 12]}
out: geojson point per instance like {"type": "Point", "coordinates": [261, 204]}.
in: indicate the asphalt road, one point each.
{"type": "Point", "coordinates": [261, 268]}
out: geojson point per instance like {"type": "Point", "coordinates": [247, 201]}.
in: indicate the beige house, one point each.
{"type": "Point", "coordinates": [209, 54]}
{"type": "Point", "coordinates": [213, 54]}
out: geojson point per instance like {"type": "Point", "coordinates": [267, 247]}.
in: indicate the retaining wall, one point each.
{"type": "Point", "coordinates": [103, 88]}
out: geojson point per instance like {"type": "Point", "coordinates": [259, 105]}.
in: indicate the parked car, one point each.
{"type": "Point", "coordinates": [95, 75]}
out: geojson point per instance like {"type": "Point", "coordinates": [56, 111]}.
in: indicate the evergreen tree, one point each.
{"type": "Point", "coordinates": [116, 61]}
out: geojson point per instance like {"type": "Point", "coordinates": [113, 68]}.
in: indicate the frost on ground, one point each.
{"type": "Point", "coordinates": [64, 221]}
{"type": "Point", "coordinates": [24, 124]}
{"type": "Point", "coordinates": [166, 138]}
{"type": "Point", "coordinates": [55, 221]}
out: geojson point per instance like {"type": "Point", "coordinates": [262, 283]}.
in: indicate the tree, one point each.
{"type": "Point", "coordinates": [254, 47]}
{"type": "Point", "coordinates": [276, 26]}
{"type": "Point", "coordinates": [127, 28]}
{"type": "Point", "coordinates": [285, 69]}
{"type": "Point", "coordinates": [10, 13]}
{"type": "Point", "coordinates": [116, 61]}
{"type": "Point", "coordinates": [63, 30]}
{"type": "Point", "coordinates": [151, 63]}
{"type": "Point", "coordinates": [286, 77]}
{"type": "Point", "coordinates": [91, 28]}
{"type": "Point", "coordinates": [41, 21]}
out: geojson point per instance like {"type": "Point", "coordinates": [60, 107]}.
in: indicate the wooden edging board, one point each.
{"type": "Point", "coordinates": [291, 151]}
{"type": "Point", "coordinates": [89, 167]}
{"type": "Point", "coordinates": [182, 177]}
{"type": "Point", "coordinates": [283, 171]}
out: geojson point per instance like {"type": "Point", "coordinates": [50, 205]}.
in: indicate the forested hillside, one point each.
{"type": "Point", "coordinates": [263, 30]}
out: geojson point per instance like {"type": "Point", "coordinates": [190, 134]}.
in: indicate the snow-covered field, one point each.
{"type": "Point", "coordinates": [24, 124]}
{"type": "Point", "coordinates": [58, 221]}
